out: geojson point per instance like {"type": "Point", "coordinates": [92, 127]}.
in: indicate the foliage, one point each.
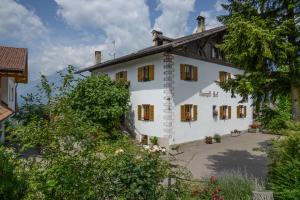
{"type": "Point", "coordinates": [278, 116]}
{"type": "Point", "coordinates": [100, 100]}
{"type": "Point", "coordinates": [229, 185]}
{"type": "Point", "coordinates": [12, 178]}
{"type": "Point", "coordinates": [268, 52]}
{"type": "Point", "coordinates": [284, 169]}
{"type": "Point", "coordinates": [154, 140]}
{"type": "Point", "coordinates": [217, 138]}
{"type": "Point", "coordinates": [208, 140]}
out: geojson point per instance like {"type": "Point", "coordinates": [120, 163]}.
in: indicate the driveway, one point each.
{"type": "Point", "coordinates": [233, 153]}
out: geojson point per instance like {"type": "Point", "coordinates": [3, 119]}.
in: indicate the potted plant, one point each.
{"type": "Point", "coordinates": [154, 140]}
{"type": "Point", "coordinates": [254, 128]}
{"type": "Point", "coordinates": [208, 140]}
{"type": "Point", "coordinates": [217, 138]}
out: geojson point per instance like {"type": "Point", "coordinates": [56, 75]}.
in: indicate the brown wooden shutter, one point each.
{"type": "Point", "coordinates": [245, 111]}
{"type": "Point", "coordinates": [125, 75]}
{"type": "Point", "coordinates": [117, 76]}
{"type": "Point", "coordinates": [182, 113]}
{"type": "Point", "coordinates": [140, 74]}
{"type": "Point", "coordinates": [195, 73]}
{"type": "Point", "coordinates": [238, 111]}
{"type": "Point", "coordinates": [139, 112]}
{"type": "Point", "coordinates": [195, 112]}
{"type": "Point", "coordinates": [151, 72]}
{"type": "Point", "coordinates": [182, 72]}
{"type": "Point", "coordinates": [229, 112]}
{"type": "Point", "coordinates": [151, 112]}
{"type": "Point", "coordinates": [222, 76]}
{"type": "Point", "coordinates": [221, 112]}
{"type": "Point", "coordinates": [229, 76]}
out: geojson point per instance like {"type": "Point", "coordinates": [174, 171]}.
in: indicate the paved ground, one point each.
{"type": "Point", "coordinates": [233, 153]}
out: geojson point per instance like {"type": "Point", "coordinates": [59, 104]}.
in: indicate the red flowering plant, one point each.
{"type": "Point", "coordinates": [211, 191]}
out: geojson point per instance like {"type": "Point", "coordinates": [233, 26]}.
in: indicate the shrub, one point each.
{"type": "Point", "coordinates": [154, 140]}
{"type": "Point", "coordinates": [284, 169]}
{"type": "Point", "coordinates": [217, 138]}
{"type": "Point", "coordinates": [208, 140]}
{"type": "Point", "coordinates": [229, 185]}
{"type": "Point", "coordinates": [12, 178]}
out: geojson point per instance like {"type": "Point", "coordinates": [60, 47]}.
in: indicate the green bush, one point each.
{"type": "Point", "coordinates": [284, 169]}
{"type": "Point", "coordinates": [229, 185]}
{"type": "Point", "coordinates": [12, 178]}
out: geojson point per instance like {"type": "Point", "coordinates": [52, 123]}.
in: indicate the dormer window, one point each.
{"type": "Point", "coordinates": [216, 53]}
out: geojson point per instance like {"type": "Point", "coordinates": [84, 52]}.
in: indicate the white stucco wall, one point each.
{"type": "Point", "coordinates": [8, 91]}
{"type": "Point", "coordinates": [187, 92]}
{"type": "Point", "coordinates": [150, 92]}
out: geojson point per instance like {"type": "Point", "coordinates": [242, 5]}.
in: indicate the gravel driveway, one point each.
{"type": "Point", "coordinates": [233, 153]}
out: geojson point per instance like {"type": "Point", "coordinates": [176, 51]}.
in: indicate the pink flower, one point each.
{"type": "Point", "coordinates": [213, 178]}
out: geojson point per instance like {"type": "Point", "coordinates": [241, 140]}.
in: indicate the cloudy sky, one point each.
{"type": "Point", "coordinates": [62, 32]}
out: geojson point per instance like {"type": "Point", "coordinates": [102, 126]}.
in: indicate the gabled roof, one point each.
{"type": "Point", "coordinates": [13, 59]}
{"type": "Point", "coordinates": [14, 63]}
{"type": "Point", "coordinates": [156, 49]}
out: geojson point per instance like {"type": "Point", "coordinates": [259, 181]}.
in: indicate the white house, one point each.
{"type": "Point", "coordinates": [13, 70]}
{"type": "Point", "coordinates": [174, 85]}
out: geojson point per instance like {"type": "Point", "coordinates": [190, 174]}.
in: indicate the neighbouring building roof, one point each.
{"type": "Point", "coordinates": [14, 62]}
{"type": "Point", "coordinates": [5, 112]}
{"type": "Point", "coordinates": [156, 49]}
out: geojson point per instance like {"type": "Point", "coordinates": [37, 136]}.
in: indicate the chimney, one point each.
{"type": "Point", "coordinates": [155, 37]}
{"type": "Point", "coordinates": [201, 24]}
{"type": "Point", "coordinates": [98, 57]}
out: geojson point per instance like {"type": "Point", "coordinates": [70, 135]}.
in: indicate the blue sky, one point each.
{"type": "Point", "coordinates": [62, 32]}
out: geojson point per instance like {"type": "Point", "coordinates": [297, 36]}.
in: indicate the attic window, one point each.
{"type": "Point", "coordinates": [216, 53]}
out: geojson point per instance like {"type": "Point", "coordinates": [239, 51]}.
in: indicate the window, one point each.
{"type": "Point", "coordinates": [188, 72]}
{"type": "Point", "coordinates": [144, 139]}
{"type": "Point", "coordinates": [188, 112]}
{"type": "Point", "coordinates": [146, 73]}
{"type": "Point", "coordinates": [146, 112]}
{"type": "Point", "coordinates": [216, 53]}
{"type": "Point", "coordinates": [121, 76]}
{"type": "Point", "coordinates": [225, 112]}
{"type": "Point", "coordinates": [241, 111]}
{"type": "Point", "coordinates": [224, 76]}
{"type": "Point", "coordinates": [214, 111]}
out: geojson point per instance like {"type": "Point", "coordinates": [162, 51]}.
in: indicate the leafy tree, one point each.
{"type": "Point", "coordinates": [263, 39]}
{"type": "Point", "coordinates": [101, 100]}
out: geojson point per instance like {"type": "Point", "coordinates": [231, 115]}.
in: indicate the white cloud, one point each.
{"type": "Point", "coordinates": [19, 23]}
{"type": "Point", "coordinates": [125, 22]}
{"type": "Point", "coordinates": [218, 5]}
{"type": "Point", "coordinates": [211, 20]}
{"type": "Point", "coordinates": [173, 20]}
{"type": "Point", "coordinates": [57, 57]}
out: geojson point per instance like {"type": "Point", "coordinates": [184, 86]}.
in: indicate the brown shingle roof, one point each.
{"type": "Point", "coordinates": [13, 59]}
{"type": "Point", "coordinates": [156, 49]}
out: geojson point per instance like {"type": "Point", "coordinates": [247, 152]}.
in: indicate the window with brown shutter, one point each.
{"type": "Point", "coordinates": [241, 111]}
{"type": "Point", "coordinates": [188, 72]}
{"type": "Point", "coordinates": [146, 73]}
{"type": "Point", "coordinates": [146, 112]}
{"type": "Point", "coordinates": [225, 112]}
{"type": "Point", "coordinates": [189, 112]}
{"type": "Point", "coordinates": [224, 76]}
{"type": "Point", "coordinates": [121, 76]}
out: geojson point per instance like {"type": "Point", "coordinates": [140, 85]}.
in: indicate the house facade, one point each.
{"type": "Point", "coordinates": [13, 70]}
{"type": "Point", "coordinates": [174, 87]}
